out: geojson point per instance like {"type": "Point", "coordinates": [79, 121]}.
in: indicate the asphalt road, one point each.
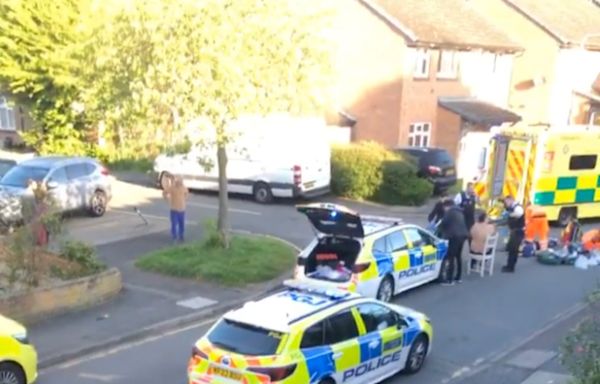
{"type": "Point", "coordinates": [474, 322]}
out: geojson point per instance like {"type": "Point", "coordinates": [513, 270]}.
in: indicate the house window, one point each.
{"type": "Point", "coordinates": [419, 134]}
{"type": "Point", "coordinates": [7, 116]}
{"type": "Point", "coordinates": [447, 65]}
{"type": "Point", "coordinates": [421, 70]}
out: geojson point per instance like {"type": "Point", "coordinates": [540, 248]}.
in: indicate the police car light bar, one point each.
{"type": "Point", "coordinates": [334, 294]}
{"type": "Point", "coordinates": [382, 219]}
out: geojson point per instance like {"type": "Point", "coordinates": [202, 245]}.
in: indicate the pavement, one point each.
{"type": "Point", "coordinates": [477, 324]}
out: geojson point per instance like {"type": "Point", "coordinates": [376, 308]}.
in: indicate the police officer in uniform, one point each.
{"type": "Point", "coordinates": [467, 200]}
{"type": "Point", "coordinates": [516, 226]}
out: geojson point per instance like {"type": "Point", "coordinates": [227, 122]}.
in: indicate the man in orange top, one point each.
{"type": "Point", "coordinates": [176, 194]}
{"type": "Point", "coordinates": [591, 240]}
{"type": "Point", "coordinates": [536, 226]}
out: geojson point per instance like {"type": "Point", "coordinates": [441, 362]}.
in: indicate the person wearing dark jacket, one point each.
{"type": "Point", "coordinates": [467, 200]}
{"type": "Point", "coordinates": [437, 213]}
{"type": "Point", "coordinates": [516, 226]}
{"type": "Point", "coordinates": [454, 229]}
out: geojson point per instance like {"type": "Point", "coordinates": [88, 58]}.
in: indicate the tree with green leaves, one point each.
{"type": "Point", "coordinates": [166, 62]}
{"type": "Point", "coordinates": [40, 45]}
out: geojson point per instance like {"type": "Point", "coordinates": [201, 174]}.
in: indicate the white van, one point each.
{"type": "Point", "coordinates": [276, 156]}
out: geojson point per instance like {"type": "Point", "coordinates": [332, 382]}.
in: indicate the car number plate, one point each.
{"type": "Point", "coordinates": [226, 373]}
{"type": "Point", "coordinates": [310, 184]}
{"type": "Point", "coordinates": [450, 172]}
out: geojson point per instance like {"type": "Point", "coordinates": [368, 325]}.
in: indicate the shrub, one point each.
{"type": "Point", "coordinates": [580, 351]}
{"type": "Point", "coordinates": [401, 186]}
{"type": "Point", "coordinates": [84, 255]}
{"type": "Point", "coordinates": [356, 169]}
{"type": "Point", "coordinates": [368, 171]}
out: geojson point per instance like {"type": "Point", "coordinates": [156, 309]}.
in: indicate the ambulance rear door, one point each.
{"type": "Point", "coordinates": [511, 167]}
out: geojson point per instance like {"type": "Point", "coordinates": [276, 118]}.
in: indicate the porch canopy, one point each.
{"type": "Point", "coordinates": [478, 112]}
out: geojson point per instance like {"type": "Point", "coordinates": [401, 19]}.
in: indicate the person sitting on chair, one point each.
{"type": "Point", "coordinates": [480, 231]}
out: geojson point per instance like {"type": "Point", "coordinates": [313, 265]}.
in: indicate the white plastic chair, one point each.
{"type": "Point", "coordinates": [482, 263]}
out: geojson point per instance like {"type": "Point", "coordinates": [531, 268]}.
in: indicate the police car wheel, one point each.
{"type": "Point", "coordinates": [416, 356]}
{"type": "Point", "coordinates": [386, 290]}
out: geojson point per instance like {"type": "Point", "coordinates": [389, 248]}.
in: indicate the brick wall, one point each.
{"type": "Point", "coordinates": [368, 61]}
{"type": "Point", "coordinates": [533, 69]}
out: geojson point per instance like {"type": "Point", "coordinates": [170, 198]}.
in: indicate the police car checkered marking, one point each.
{"type": "Point", "coordinates": [370, 346]}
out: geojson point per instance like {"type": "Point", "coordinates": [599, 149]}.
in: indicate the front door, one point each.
{"type": "Point", "coordinates": [423, 255]}
{"type": "Point", "coordinates": [381, 343]}
{"type": "Point", "coordinates": [341, 334]}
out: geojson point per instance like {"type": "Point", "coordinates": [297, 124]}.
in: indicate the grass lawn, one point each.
{"type": "Point", "coordinates": [138, 165]}
{"type": "Point", "coordinates": [249, 259]}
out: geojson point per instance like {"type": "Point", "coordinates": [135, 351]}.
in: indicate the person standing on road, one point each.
{"type": "Point", "coordinates": [176, 194]}
{"type": "Point", "coordinates": [437, 213]}
{"type": "Point", "coordinates": [454, 229]}
{"type": "Point", "coordinates": [516, 227]}
{"type": "Point", "coordinates": [467, 200]}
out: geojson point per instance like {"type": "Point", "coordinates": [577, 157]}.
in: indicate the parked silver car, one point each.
{"type": "Point", "coordinates": [74, 183]}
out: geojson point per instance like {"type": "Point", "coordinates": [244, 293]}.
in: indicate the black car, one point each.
{"type": "Point", "coordinates": [434, 164]}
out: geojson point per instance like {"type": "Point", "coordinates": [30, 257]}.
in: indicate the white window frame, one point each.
{"type": "Point", "coordinates": [447, 65]}
{"type": "Point", "coordinates": [7, 116]}
{"type": "Point", "coordinates": [419, 135]}
{"type": "Point", "coordinates": [421, 64]}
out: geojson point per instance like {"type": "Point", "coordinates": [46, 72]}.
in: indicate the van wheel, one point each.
{"type": "Point", "coordinates": [565, 215]}
{"type": "Point", "coordinates": [11, 374]}
{"type": "Point", "coordinates": [262, 193]}
{"type": "Point", "coordinates": [386, 290]}
{"type": "Point", "coordinates": [416, 356]}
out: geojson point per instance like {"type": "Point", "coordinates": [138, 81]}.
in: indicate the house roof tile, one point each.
{"type": "Point", "coordinates": [569, 22]}
{"type": "Point", "coordinates": [451, 23]}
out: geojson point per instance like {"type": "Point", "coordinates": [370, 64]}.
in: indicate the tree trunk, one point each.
{"type": "Point", "coordinates": [223, 220]}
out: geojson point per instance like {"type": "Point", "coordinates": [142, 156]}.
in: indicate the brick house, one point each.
{"type": "Point", "coordinates": [420, 72]}
{"type": "Point", "coordinates": [556, 79]}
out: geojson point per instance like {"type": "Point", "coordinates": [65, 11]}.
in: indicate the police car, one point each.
{"type": "Point", "coordinates": [308, 334]}
{"type": "Point", "coordinates": [374, 256]}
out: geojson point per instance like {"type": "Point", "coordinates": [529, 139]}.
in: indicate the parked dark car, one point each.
{"type": "Point", "coordinates": [434, 164]}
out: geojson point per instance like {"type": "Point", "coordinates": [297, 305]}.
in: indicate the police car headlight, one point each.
{"type": "Point", "coordinates": [21, 337]}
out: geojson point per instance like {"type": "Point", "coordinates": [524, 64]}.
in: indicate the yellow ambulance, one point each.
{"type": "Point", "coordinates": [555, 168]}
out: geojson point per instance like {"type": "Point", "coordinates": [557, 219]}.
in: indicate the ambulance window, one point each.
{"type": "Point", "coordinates": [377, 317]}
{"type": "Point", "coordinates": [340, 327]}
{"type": "Point", "coordinates": [581, 162]}
{"type": "Point", "coordinates": [397, 241]}
{"type": "Point", "coordinates": [313, 336]}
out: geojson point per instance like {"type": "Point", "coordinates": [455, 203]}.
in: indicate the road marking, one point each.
{"type": "Point", "coordinates": [215, 207]}
{"type": "Point", "coordinates": [153, 291]}
{"type": "Point", "coordinates": [124, 347]}
{"type": "Point", "coordinates": [196, 302]}
{"type": "Point", "coordinates": [105, 378]}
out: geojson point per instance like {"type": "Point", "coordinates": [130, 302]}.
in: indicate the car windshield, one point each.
{"type": "Point", "coordinates": [20, 175]}
{"type": "Point", "coordinates": [244, 339]}
{"type": "Point", "coordinates": [5, 166]}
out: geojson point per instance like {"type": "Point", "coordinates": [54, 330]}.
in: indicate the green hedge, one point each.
{"type": "Point", "coordinates": [367, 171]}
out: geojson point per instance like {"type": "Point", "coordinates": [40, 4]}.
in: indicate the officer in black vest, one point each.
{"type": "Point", "coordinates": [516, 226]}
{"type": "Point", "coordinates": [467, 201]}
